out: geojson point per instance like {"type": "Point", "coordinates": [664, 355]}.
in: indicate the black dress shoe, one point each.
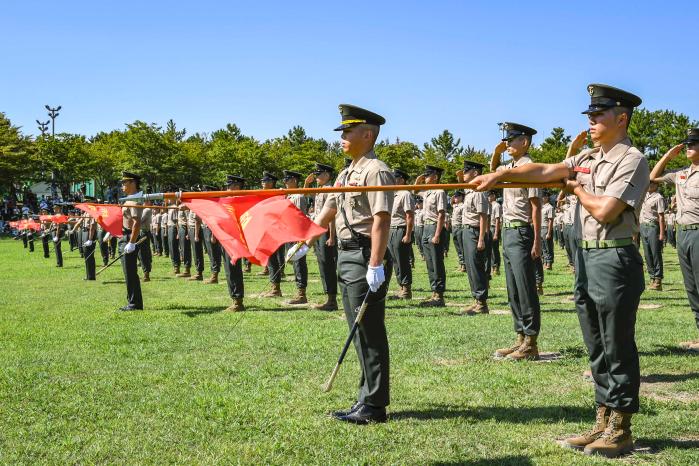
{"type": "Point", "coordinates": [365, 415]}
{"type": "Point", "coordinates": [339, 414]}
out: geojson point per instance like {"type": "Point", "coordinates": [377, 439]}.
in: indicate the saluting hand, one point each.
{"type": "Point", "coordinates": [309, 179]}
{"type": "Point", "coordinates": [420, 179]}
{"type": "Point", "coordinates": [674, 152]}
{"type": "Point", "coordinates": [500, 148]}
{"type": "Point", "coordinates": [460, 176]}
{"type": "Point", "coordinates": [577, 143]}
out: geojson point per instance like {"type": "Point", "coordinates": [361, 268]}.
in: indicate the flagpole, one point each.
{"type": "Point", "coordinates": [332, 189]}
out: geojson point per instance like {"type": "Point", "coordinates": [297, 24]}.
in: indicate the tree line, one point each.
{"type": "Point", "coordinates": [167, 157]}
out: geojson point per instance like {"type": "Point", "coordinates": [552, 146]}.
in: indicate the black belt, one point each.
{"type": "Point", "coordinates": [471, 227]}
{"type": "Point", "coordinates": [354, 244]}
{"type": "Point", "coordinates": [399, 227]}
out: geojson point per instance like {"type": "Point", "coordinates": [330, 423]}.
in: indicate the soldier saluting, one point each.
{"type": "Point", "coordinates": [610, 185]}
{"type": "Point", "coordinates": [363, 220]}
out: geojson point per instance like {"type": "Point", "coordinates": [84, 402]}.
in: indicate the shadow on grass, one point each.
{"type": "Point", "coordinates": [666, 350]}
{"type": "Point", "coordinates": [502, 460]}
{"type": "Point", "coordinates": [660, 378]}
{"type": "Point", "coordinates": [113, 282]}
{"type": "Point", "coordinates": [657, 445]}
{"type": "Point", "coordinates": [500, 414]}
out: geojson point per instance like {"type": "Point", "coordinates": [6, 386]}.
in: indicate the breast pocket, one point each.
{"type": "Point", "coordinates": [357, 206]}
{"type": "Point", "coordinates": [692, 192]}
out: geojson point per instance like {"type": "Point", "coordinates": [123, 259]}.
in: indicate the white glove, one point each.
{"type": "Point", "coordinates": [88, 243]}
{"type": "Point", "coordinates": [129, 248]}
{"type": "Point", "coordinates": [106, 237]}
{"type": "Point", "coordinates": [300, 252]}
{"type": "Point", "coordinates": [55, 239]}
{"type": "Point", "coordinates": [375, 277]}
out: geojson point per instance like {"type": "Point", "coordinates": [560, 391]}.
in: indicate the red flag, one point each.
{"type": "Point", "coordinates": [30, 224]}
{"type": "Point", "coordinates": [273, 222]}
{"type": "Point", "coordinates": [59, 218]}
{"type": "Point", "coordinates": [223, 222]}
{"type": "Point", "coordinates": [109, 217]}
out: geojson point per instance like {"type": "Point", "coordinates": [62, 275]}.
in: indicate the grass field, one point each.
{"type": "Point", "coordinates": [182, 382]}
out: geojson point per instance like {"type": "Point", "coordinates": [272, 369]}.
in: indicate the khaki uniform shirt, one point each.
{"type": "Point", "coordinates": [182, 215]}
{"type": "Point", "coordinates": [435, 201]}
{"type": "Point", "coordinates": [403, 203]}
{"type": "Point", "coordinates": [172, 215]}
{"type": "Point", "coordinates": [129, 213]}
{"type": "Point", "coordinates": [320, 200]}
{"type": "Point", "coordinates": [191, 220]}
{"type": "Point", "coordinates": [546, 214]}
{"type": "Point", "coordinates": [621, 173]}
{"type": "Point", "coordinates": [456, 214]}
{"type": "Point", "coordinates": [419, 221]}
{"type": "Point", "coordinates": [360, 208]}
{"type": "Point", "coordinates": [300, 201]}
{"type": "Point", "coordinates": [670, 219]}
{"type": "Point", "coordinates": [475, 203]}
{"type": "Point", "coordinates": [516, 205]}
{"type": "Point", "coordinates": [146, 219]}
{"type": "Point", "coordinates": [155, 221]}
{"type": "Point", "coordinates": [164, 220]}
{"type": "Point", "coordinates": [652, 206]}
{"type": "Point", "coordinates": [571, 206]}
{"type": "Point", "coordinates": [495, 212]}
{"type": "Point", "coordinates": [686, 183]}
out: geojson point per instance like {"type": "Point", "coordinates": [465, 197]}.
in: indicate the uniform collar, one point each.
{"type": "Point", "coordinates": [621, 148]}
{"type": "Point", "coordinates": [360, 165]}
{"type": "Point", "coordinates": [522, 160]}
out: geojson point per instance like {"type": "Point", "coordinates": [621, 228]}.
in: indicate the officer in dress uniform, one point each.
{"type": "Point", "coordinates": [419, 225]}
{"type": "Point", "coordinates": [653, 235]}
{"type": "Point", "coordinates": [45, 225]}
{"type": "Point", "coordinates": [495, 233]}
{"type": "Point", "coordinates": [363, 223]}
{"type": "Point", "coordinates": [89, 235]}
{"type": "Point", "coordinates": [434, 212]}
{"type": "Point", "coordinates": [173, 236]}
{"type": "Point", "coordinates": [58, 230]}
{"type": "Point", "coordinates": [131, 229]}
{"type": "Point", "coordinates": [326, 246]}
{"type": "Point", "coordinates": [457, 205]}
{"type": "Point", "coordinates": [686, 181]}
{"type": "Point", "coordinates": [547, 228]}
{"type": "Point", "coordinates": [196, 238]}
{"type": "Point", "coordinates": [400, 240]}
{"type": "Point", "coordinates": [474, 221]}
{"type": "Point", "coordinates": [165, 244]}
{"type": "Point", "coordinates": [213, 247]}
{"type": "Point", "coordinates": [144, 249]}
{"type": "Point", "coordinates": [103, 244]}
{"type": "Point", "coordinates": [234, 271]}
{"type": "Point", "coordinates": [521, 245]}
{"type": "Point", "coordinates": [291, 181]}
{"type": "Point", "coordinates": [610, 184]}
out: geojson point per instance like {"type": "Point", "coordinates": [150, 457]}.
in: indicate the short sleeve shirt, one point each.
{"type": "Point", "coordinates": [686, 183]}
{"type": "Point", "coordinates": [300, 201]}
{"type": "Point", "coordinates": [475, 204]}
{"type": "Point", "coordinates": [403, 202]}
{"type": "Point", "coordinates": [435, 201]}
{"type": "Point", "coordinates": [146, 219]}
{"type": "Point", "coordinates": [495, 212]}
{"type": "Point", "coordinates": [456, 214]}
{"type": "Point", "coordinates": [172, 216]}
{"type": "Point", "coordinates": [360, 207]}
{"type": "Point", "coordinates": [622, 173]}
{"type": "Point", "coordinates": [516, 205]}
{"type": "Point", "coordinates": [129, 213]}
{"type": "Point", "coordinates": [546, 213]}
{"type": "Point", "coordinates": [418, 218]}
{"type": "Point", "coordinates": [653, 205]}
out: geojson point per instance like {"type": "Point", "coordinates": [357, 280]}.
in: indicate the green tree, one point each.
{"type": "Point", "coordinates": [553, 149]}
{"type": "Point", "coordinates": [16, 162]}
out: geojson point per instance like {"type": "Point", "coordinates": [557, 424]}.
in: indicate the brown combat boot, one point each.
{"type": "Point", "coordinates": [616, 439]}
{"type": "Point", "coordinates": [480, 307]}
{"type": "Point", "coordinates": [398, 295]}
{"type": "Point", "coordinates": [329, 305]}
{"type": "Point", "coordinates": [264, 272]}
{"type": "Point", "coordinates": [658, 284]}
{"type": "Point", "coordinates": [496, 270]}
{"type": "Point", "coordinates": [146, 276]}
{"type": "Point", "coordinates": [540, 289]}
{"type": "Point", "coordinates": [275, 292]}
{"type": "Point", "coordinates": [247, 268]}
{"type": "Point", "coordinates": [581, 441]}
{"type": "Point", "coordinates": [527, 351]}
{"type": "Point", "coordinates": [437, 300]}
{"type": "Point", "coordinates": [502, 352]}
{"type": "Point", "coordinates": [548, 266]}
{"type": "Point", "coordinates": [407, 292]}
{"type": "Point", "coordinates": [237, 306]}
{"type": "Point", "coordinates": [213, 279]}
{"type": "Point", "coordinates": [198, 277]}
{"type": "Point", "coordinates": [176, 270]}
{"type": "Point", "coordinates": [462, 268]}
{"type": "Point", "coordinates": [686, 345]}
{"type": "Point", "coordinates": [300, 297]}
{"type": "Point", "coordinates": [186, 273]}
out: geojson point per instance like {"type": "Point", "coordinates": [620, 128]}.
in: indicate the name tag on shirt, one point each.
{"type": "Point", "coordinates": [582, 170]}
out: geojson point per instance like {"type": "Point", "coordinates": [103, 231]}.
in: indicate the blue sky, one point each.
{"type": "Point", "coordinates": [267, 66]}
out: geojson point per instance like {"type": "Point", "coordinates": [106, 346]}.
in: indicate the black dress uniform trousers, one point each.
{"type": "Point", "coordinates": [327, 264]}
{"type": "Point", "coordinates": [234, 277]}
{"type": "Point", "coordinates": [688, 255]}
{"type": "Point", "coordinates": [608, 287]}
{"type": "Point", "coordinates": [185, 247]}
{"type": "Point", "coordinates": [300, 268]}
{"type": "Point", "coordinates": [520, 278]}
{"type": "Point", "coordinates": [197, 249]}
{"type": "Point", "coordinates": [129, 264]}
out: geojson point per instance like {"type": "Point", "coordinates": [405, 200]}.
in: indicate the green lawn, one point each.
{"type": "Point", "coordinates": [182, 382]}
